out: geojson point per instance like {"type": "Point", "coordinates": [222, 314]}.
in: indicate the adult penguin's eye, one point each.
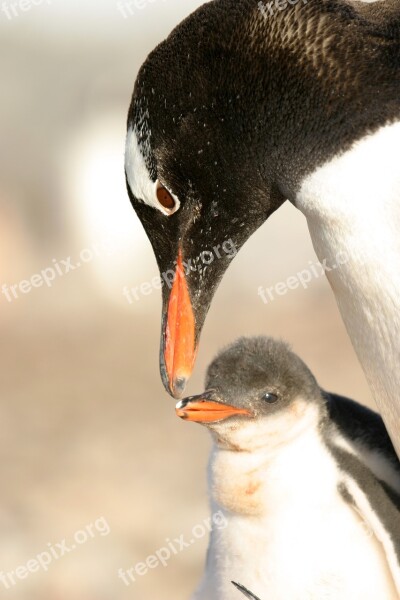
{"type": "Point", "coordinates": [270, 397]}
{"type": "Point", "coordinates": [165, 198]}
{"type": "Point", "coordinates": [167, 203]}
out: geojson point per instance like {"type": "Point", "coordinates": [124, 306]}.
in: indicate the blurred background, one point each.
{"type": "Point", "coordinates": [87, 431]}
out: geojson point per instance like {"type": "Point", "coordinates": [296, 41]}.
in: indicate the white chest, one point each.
{"type": "Point", "coordinates": [355, 198]}
{"type": "Point", "coordinates": [305, 543]}
{"type": "Point", "coordinates": [352, 206]}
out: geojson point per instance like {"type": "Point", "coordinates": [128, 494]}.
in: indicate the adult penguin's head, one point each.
{"type": "Point", "coordinates": [196, 169]}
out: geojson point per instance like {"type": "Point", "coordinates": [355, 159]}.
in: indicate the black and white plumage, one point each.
{"type": "Point", "coordinates": [308, 481]}
{"type": "Point", "coordinates": [238, 111]}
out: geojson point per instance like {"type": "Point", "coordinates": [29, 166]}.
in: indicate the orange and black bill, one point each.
{"type": "Point", "coordinates": [202, 409]}
{"type": "Point", "coordinates": [179, 348]}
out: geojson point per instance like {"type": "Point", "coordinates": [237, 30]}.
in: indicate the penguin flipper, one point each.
{"type": "Point", "coordinates": [365, 430]}
{"type": "Point", "coordinates": [378, 507]}
{"type": "Point", "coordinates": [245, 591]}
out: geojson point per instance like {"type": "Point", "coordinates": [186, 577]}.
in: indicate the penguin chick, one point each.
{"type": "Point", "coordinates": [308, 481]}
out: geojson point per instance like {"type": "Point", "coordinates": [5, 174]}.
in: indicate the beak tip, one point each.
{"type": "Point", "coordinates": [180, 405]}
{"type": "Point", "coordinates": [177, 387]}
{"type": "Point", "coordinates": [174, 386]}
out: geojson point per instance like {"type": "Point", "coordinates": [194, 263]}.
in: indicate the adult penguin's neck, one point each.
{"type": "Point", "coordinates": [306, 80]}
{"type": "Point", "coordinates": [323, 83]}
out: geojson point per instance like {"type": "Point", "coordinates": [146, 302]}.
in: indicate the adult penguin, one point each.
{"type": "Point", "coordinates": [246, 105]}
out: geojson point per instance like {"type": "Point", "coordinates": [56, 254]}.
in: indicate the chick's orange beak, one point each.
{"type": "Point", "coordinates": [202, 410]}
{"type": "Point", "coordinates": [179, 348]}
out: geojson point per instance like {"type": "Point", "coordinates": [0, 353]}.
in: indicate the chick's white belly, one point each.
{"type": "Point", "coordinates": [301, 551]}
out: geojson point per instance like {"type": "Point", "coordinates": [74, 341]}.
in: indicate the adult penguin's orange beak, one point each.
{"type": "Point", "coordinates": [179, 347]}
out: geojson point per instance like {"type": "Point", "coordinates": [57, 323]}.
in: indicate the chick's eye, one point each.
{"type": "Point", "coordinates": [270, 397]}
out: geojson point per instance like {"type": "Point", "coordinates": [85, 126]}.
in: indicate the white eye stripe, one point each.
{"type": "Point", "coordinates": [138, 176]}
{"type": "Point", "coordinates": [139, 179]}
